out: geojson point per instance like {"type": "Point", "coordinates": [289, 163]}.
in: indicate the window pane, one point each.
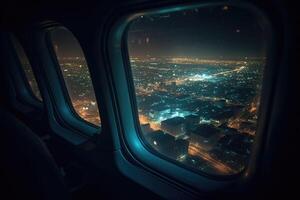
{"type": "Point", "coordinates": [27, 68]}
{"type": "Point", "coordinates": [197, 75]}
{"type": "Point", "coordinates": [76, 74]}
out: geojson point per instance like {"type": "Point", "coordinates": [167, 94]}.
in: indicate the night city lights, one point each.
{"type": "Point", "coordinates": [205, 117]}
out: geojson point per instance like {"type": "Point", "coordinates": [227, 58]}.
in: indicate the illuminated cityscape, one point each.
{"type": "Point", "coordinates": [201, 113]}
{"type": "Point", "coordinates": [76, 75]}
{"type": "Point", "coordinates": [197, 76]}
{"type": "Point", "coordinates": [78, 82]}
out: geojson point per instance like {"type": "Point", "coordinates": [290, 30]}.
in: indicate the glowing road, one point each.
{"type": "Point", "coordinates": [196, 150]}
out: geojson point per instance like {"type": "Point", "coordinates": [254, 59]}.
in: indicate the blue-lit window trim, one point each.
{"type": "Point", "coordinates": [24, 93]}
{"type": "Point", "coordinates": [62, 117]}
{"type": "Point", "coordinates": [128, 110]}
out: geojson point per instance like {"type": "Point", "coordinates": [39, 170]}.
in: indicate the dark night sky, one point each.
{"type": "Point", "coordinates": [65, 43]}
{"type": "Point", "coordinates": [211, 32]}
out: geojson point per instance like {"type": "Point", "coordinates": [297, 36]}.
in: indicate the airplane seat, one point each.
{"type": "Point", "coordinates": [27, 169]}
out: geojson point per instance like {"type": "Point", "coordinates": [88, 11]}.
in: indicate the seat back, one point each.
{"type": "Point", "coordinates": [27, 168]}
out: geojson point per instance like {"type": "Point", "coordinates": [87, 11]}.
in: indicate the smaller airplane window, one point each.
{"type": "Point", "coordinates": [76, 74]}
{"type": "Point", "coordinates": [27, 68]}
{"type": "Point", "coordinates": [198, 75]}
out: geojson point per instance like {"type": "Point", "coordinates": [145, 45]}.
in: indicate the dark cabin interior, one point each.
{"type": "Point", "coordinates": [106, 144]}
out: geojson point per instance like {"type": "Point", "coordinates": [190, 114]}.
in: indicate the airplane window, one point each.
{"type": "Point", "coordinates": [197, 75]}
{"type": "Point", "coordinates": [27, 68]}
{"type": "Point", "coordinates": [76, 74]}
